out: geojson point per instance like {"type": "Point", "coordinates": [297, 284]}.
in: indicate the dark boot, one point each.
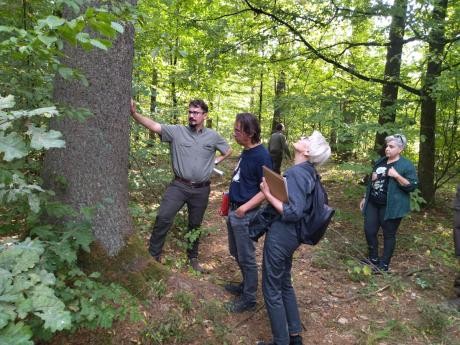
{"type": "Point", "coordinates": [234, 289]}
{"type": "Point", "coordinates": [295, 340]}
{"type": "Point", "coordinates": [196, 265]}
{"type": "Point", "coordinates": [240, 305]}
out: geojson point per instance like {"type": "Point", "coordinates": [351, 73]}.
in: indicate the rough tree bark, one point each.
{"type": "Point", "coordinates": [426, 163]}
{"type": "Point", "coordinates": [392, 72]}
{"type": "Point", "coordinates": [280, 90]}
{"type": "Point", "coordinates": [94, 163]}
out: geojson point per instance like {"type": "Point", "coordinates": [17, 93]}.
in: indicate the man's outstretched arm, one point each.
{"type": "Point", "coordinates": [145, 121]}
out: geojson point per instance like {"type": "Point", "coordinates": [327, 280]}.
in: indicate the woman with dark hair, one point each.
{"type": "Point", "coordinates": [387, 200]}
{"type": "Point", "coordinates": [282, 240]}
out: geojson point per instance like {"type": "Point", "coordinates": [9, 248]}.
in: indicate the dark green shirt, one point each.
{"type": "Point", "coordinates": [398, 197]}
{"type": "Point", "coordinates": [277, 145]}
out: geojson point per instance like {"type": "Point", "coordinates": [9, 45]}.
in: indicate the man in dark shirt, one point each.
{"type": "Point", "coordinates": [193, 150]}
{"type": "Point", "coordinates": [277, 146]}
{"type": "Point", "coordinates": [245, 198]}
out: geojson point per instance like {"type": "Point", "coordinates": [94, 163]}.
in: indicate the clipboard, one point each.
{"type": "Point", "coordinates": [277, 184]}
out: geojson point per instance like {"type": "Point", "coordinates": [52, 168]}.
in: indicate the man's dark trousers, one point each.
{"type": "Point", "coordinates": [177, 194]}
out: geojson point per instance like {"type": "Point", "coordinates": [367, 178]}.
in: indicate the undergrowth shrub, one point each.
{"type": "Point", "coordinates": [42, 289]}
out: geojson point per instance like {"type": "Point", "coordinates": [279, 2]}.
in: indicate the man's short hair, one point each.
{"type": "Point", "coordinates": [199, 103]}
{"type": "Point", "coordinates": [249, 125]}
{"type": "Point", "coordinates": [279, 127]}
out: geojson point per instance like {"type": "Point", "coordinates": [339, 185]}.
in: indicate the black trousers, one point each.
{"type": "Point", "coordinates": [373, 221]}
{"type": "Point", "coordinates": [277, 158]}
{"type": "Point", "coordinates": [177, 195]}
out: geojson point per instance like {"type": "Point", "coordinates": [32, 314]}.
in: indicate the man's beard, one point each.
{"type": "Point", "coordinates": [191, 124]}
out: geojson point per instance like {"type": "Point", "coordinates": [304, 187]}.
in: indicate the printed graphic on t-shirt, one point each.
{"type": "Point", "coordinates": [379, 187]}
{"type": "Point", "coordinates": [236, 172]}
{"type": "Point", "coordinates": [379, 184]}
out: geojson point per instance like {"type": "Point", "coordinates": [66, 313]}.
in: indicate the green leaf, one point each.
{"type": "Point", "coordinates": [34, 202]}
{"type": "Point", "coordinates": [46, 112]}
{"type": "Point", "coordinates": [7, 102]}
{"type": "Point", "coordinates": [65, 252]}
{"type": "Point", "coordinates": [83, 37]}
{"type": "Point", "coordinates": [103, 28]}
{"type": "Point", "coordinates": [42, 138]}
{"type": "Point", "coordinates": [98, 44]}
{"type": "Point", "coordinates": [21, 256]}
{"type": "Point", "coordinates": [16, 334]}
{"type": "Point", "coordinates": [117, 26]}
{"type": "Point", "coordinates": [47, 40]}
{"type": "Point", "coordinates": [53, 21]}
{"type": "Point", "coordinates": [50, 309]}
{"type": "Point", "coordinates": [65, 72]}
{"type": "Point", "coordinates": [4, 28]}
{"type": "Point", "coordinates": [13, 146]}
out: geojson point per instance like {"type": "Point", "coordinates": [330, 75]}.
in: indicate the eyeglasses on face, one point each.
{"type": "Point", "coordinates": [195, 113]}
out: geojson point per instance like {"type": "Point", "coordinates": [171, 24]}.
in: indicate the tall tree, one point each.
{"type": "Point", "coordinates": [392, 72]}
{"type": "Point", "coordinates": [436, 42]}
{"type": "Point", "coordinates": [280, 90]}
{"type": "Point", "coordinates": [92, 171]}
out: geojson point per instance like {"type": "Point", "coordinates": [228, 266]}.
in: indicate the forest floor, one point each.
{"type": "Point", "coordinates": [340, 303]}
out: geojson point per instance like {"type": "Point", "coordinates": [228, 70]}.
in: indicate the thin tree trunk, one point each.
{"type": "Point", "coordinates": [261, 89]}
{"type": "Point", "coordinates": [153, 97]}
{"type": "Point", "coordinates": [280, 89]}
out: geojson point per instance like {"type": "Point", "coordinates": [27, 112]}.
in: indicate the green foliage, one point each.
{"type": "Point", "coordinates": [391, 331]}
{"type": "Point", "coordinates": [158, 288]}
{"type": "Point", "coordinates": [358, 272]}
{"type": "Point", "coordinates": [42, 290]}
{"type": "Point", "coordinates": [184, 300]}
{"type": "Point", "coordinates": [416, 200]}
{"type": "Point", "coordinates": [435, 319]}
{"type": "Point", "coordinates": [171, 326]}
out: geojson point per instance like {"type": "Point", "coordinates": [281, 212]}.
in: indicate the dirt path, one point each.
{"type": "Point", "coordinates": [334, 309]}
{"type": "Point", "coordinates": [326, 301]}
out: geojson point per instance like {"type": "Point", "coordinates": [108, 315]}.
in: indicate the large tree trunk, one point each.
{"type": "Point", "coordinates": [428, 107]}
{"type": "Point", "coordinates": [392, 72]}
{"type": "Point", "coordinates": [94, 164]}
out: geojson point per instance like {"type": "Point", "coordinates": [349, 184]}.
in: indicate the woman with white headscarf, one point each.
{"type": "Point", "coordinates": [282, 240]}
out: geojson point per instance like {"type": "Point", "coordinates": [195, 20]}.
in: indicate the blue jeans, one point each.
{"type": "Point", "coordinates": [281, 241]}
{"type": "Point", "coordinates": [373, 220]}
{"type": "Point", "coordinates": [242, 248]}
{"type": "Point", "coordinates": [177, 195]}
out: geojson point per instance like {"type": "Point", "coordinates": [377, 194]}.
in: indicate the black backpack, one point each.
{"type": "Point", "coordinates": [313, 226]}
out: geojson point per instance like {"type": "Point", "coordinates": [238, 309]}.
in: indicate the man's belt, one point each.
{"type": "Point", "coordinates": [192, 184]}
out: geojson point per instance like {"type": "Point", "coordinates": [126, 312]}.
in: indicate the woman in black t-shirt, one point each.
{"type": "Point", "coordinates": [387, 200]}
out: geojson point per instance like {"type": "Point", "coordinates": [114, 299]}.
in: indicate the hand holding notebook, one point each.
{"type": "Point", "coordinates": [276, 183]}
